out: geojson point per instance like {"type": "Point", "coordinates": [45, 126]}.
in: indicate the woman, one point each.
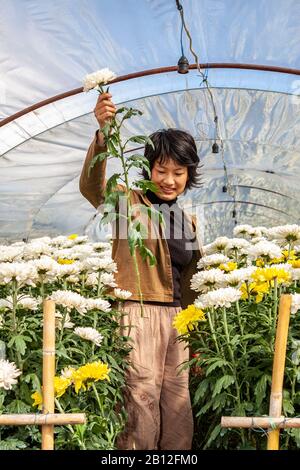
{"type": "Point", "coordinates": [157, 394]}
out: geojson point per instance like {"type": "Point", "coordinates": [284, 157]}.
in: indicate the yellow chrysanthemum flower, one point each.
{"type": "Point", "coordinates": [257, 289]}
{"type": "Point", "coordinates": [73, 236]}
{"type": "Point", "coordinates": [277, 260]}
{"type": "Point", "coordinates": [65, 261]}
{"type": "Point", "coordinates": [230, 266]}
{"type": "Point", "coordinates": [38, 400]}
{"type": "Point", "coordinates": [60, 385]}
{"type": "Point", "coordinates": [270, 274]}
{"type": "Point", "coordinates": [88, 373]}
{"type": "Point", "coordinates": [185, 320]}
{"type": "Point", "coordinates": [295, 263]}
{"type": "Point", "coordinates": [260, 262]}
{"type": "Point", "coordinates": [288, 256]}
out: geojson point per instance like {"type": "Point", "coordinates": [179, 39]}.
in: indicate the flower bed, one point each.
{"type": "Point", "coordinates": [231, 331]}
{"type": "Point", "coordinates": [90, 353]}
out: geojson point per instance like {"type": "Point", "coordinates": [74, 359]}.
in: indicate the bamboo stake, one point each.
{"type": "Point", "coordinates": [278, 368]}
{"type": "Point", "coordinates": [259, 422]}
{"type": "Point", "coordinates": [48, 372]}
{"type": "Point", "coordinates": [42, 419]}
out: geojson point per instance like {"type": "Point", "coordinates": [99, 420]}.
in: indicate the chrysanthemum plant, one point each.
{"type": "Point", "coordinates": [231, 330]}
{"type": "Point", "coordinates": [90, 352]}
{"type": "Point", "coordinates": [116, 148]}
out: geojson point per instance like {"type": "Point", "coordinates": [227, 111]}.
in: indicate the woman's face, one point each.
{"type": "Point", "coordinates": [170, 177]}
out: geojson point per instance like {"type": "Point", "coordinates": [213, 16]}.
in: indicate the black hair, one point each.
{"type": "Point", "coordinates": [178, 145]}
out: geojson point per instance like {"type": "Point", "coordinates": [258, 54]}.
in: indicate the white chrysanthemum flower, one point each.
{"type": "Point", "coordinates": [23, 273]}
{"type": "Point", "coordinates": [236, 244]}
{"type": "Point", "coordinates": [207, 280]}
{"type": "Point", "coordinates": [100, 77]}
{"type": "Point", "coordinates": [80, 240]}
{"type": "Point", "coordinates": [263, 249]}
{"type": "Point", "coordinates": [257, 240]}
{"type": "Point", "coordinates": [67, 372]}
{"type": "Point", "coordinates": [108, 279]}
{"type": "Point", "coordinates": [46, 268]}
{"type": "Point", "coordinates": [70, 300]}
{"type": "Point", "coordinates": [64, 270]}
{"type": "Point", "coordinates": [11, 253]}
{"type": "Point", "coordinates": [102, 246]}
{"type": "Point", "coordinates": [122, 294]}
{"type": "Point", "coordinates": [296, 249]}
{"type": "Point", "coordinates": [35, 250]}
{"type": "Point", "coordinates": [288, 233]}
{"type": "Point", "coordinates": [237, 277]}
{"type": "Point", "coordinates": [59, 321]}
{"type": "Point", "coordinates": [295, 303]}
{"type": "Point", "coordinates": [247, 231]}
{"type": "Point", "coordinates": [212, 260]}
{"type": "Point", "coordinates": [98, 304]}
{"type": "Point", "coordinates": [73, 279]}
{"type": "Point", "coordinates": [92, 279]}
{"type": "Point", "coordinates": [44, 264]}
{"type": "Point", "coordinates": [29, 303]}
{"type": "Point", "coordinates": [223, 297]}
{"type": "Point", "coordinates": [24, 301]}
{"type": "Point", "coordinates": [61, 241]}
{"type": "Point", "coordinates": [208, 249]}
{"type": "Point", "coordinates": [8, 374]}
{"type": "Point", "coordinates": [221, 243]}
{"type": "Point", "coordinates": [295, 274]}
{"type": "Point", "coordinates": [90, 334]}
{"type": "Point", "coordinates": [217, 246]}
{"type": "Point", "coordinates": [6, 303]}
{"type": "Point", "coordinates": [97, 264]}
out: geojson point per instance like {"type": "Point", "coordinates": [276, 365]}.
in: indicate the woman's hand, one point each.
{"type": "Point", "coordinates": [104, 111]}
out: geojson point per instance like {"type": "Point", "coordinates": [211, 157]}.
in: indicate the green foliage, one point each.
{"type": "Point", "coordinates": [240, 385]}
{"type": "Point", "coordinates": [21, 333]}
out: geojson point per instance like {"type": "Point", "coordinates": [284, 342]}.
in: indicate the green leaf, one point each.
{"type": "Point", "coordinates": [112, 148]}
{"type": "Point", "coordinates": [19, 344]}
{"type": "Point", "coordinates": [139, 139]}
{"type": "Point", "coordinates": [146, 253]}
{"type": "Point", "coordinates": [105, 129]}
{"type": "Point", "coordinates": [223, 383]}
{"type": "Point", "coordinates": [97, 158]}
{"type": "Point", "coordinates": [140, 165]}
{"type": "Point", "coordinates": [200, 392]}
{"type": "Point", "coordinates": [215, 433]}
{"type": "Point", "coordinates": [260, 389]}
{"type": "Point", "coordinates": [12, 444]}
{"type": "Point", "coordinates": [108, 218]}
{"type": "Point", "coordinates": [112, 183]}
{"type": "Point", "coordinates": [145, 185]}
{"type": "Point", "coordinates": [215, 364]}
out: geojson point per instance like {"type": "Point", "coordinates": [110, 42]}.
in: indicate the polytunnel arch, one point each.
{"type": "Point", "coordinates": [37, 221]}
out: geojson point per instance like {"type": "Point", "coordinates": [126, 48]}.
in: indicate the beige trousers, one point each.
{"type": "Point", "coordinates": [157, 397]}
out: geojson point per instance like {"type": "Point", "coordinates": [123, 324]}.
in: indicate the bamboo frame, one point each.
{"type": "Point", "coordinates": [274, 419]}
{"type": "Point", "coordinates": [278, 367]}
{"type": "Point", "coordinates": [47, 419]}
{"type": "Point", "coordinates": [42, 419]}
{"type": "Point", "coordinates": [259, 422]}
{"type": "Point", "coordinates": [48, 372]}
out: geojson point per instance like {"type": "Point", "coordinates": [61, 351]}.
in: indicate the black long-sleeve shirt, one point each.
{"type": "Point", "coordinates": [177, 235]}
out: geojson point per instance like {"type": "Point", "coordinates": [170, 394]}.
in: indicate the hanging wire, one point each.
{"type": "Point", "coordinates": [217, 133]}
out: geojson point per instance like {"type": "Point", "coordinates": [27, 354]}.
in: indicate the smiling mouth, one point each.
{"type": "Point", "coordinates": [168, 191]}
